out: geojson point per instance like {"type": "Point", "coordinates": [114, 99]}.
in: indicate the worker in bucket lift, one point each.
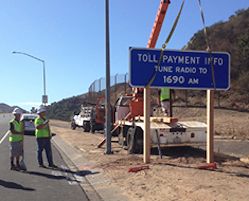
{"type": "Point", "coordinates": [164, 99]}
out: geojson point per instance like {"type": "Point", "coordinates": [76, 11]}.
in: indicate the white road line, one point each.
{"type": "Point", "coordinates": [6, 134]}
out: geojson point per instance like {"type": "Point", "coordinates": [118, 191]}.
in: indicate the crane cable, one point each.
{"type": "Point", "coordinates": [166, 43]}
{"type": "Point", "coordinates": [170, 35]}
{"type": "Point", "coordinates": [207, 42]}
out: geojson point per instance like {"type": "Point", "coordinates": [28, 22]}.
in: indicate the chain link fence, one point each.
{"type": "Point", "coordinates": [183, 98]}
{"type": "Point", "coordinates": [119, 85]}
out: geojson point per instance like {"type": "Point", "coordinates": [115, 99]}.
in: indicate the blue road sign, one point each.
{"type": "Point", "coordinates": [179, 69]}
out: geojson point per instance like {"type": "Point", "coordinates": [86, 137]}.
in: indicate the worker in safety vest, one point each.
{"type": "Point", "coordinates": [164, 99]}
{"type": "Point", "coordinates": [43, 137]}
{"type": "Point", "coordinates": [16, 139]}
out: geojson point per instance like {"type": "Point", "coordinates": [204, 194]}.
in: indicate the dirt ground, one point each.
{"type": "Point", "coordinates": [176, 176]}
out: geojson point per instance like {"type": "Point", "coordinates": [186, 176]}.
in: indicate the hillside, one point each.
{"type": "Point", "coordinates": [231, 36]}
{"type": "Point", "coordinates": [4, 108]}
{"type": "Point", "coordinates": [65, 108]}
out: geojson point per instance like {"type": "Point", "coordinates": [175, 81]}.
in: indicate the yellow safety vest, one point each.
{"type": "Point", "coordinates": [41, 133]}
{"type": "Point", "coordinates": [18, 126]}
{"type": "Point", "coordinates": [165, 94]}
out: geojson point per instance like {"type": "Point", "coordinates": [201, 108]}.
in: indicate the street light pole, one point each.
{"type": "Point", "coordinates": [44, 97]}
{"type": "Point", "coordinates": [108, 134]}
{"type": "Point", "coordinates": [44, 78]}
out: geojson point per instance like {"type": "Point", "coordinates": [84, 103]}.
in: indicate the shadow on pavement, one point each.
{"type": "Point", "coordinates": [61, 173]}
{"type": "Point", "coordinates": [13, 185]}
{"type": "Point", "coordinates": [50, 176]}
{"type": "Point", "coordinates": [84, 173]}
{"type": "Point", "coordinates": [81, 173]}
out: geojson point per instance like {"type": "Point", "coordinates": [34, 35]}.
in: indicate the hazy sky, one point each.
{"type": "Point", "coordinates": [70, 36]}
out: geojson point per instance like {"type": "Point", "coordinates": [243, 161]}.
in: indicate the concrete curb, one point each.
{"type": "Point", "coordinates": [94, 184]}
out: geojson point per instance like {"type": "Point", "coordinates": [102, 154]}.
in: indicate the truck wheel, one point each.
{"type": "Point", "coordinates": [135, 140]}
{"type": "Point", "coordinates": [73, 125]}
{"type": "Point", "coordinates": [139, 138]}
{"type": "Point", "coordinates": [87, 127]}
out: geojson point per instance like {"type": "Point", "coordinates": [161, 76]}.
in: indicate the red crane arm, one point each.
{"type": "Point", "coordinates": [136, 106]}
{"type": "Point", "coordinates": [158, 23]}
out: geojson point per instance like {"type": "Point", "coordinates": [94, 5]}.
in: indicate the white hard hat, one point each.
{"type": "Point", "coordinates": [41, 109]}
{"type": "Point", "coordinates": [17, 111]}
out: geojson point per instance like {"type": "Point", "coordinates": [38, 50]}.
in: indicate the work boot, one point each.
{"type": "Point", "coordinates": [53, 166]}
{"type": "Point", "coordinates": [12, 167]}
{"type": "Point", "coordinates": [42, 166]}
{"type": "Point", "coordinates": [18, 167]}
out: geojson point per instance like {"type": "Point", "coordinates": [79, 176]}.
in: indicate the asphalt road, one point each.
{"type": "Point", "coordinates": [237, 148]}
{"type": "Point", "coordinates": [37, 184]}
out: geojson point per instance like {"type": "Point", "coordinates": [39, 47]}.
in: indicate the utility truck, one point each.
{"type": "Point", "coordinates": [128, 114]}
{"type": "Point", "coordinates": [82, 119]}
{"type": "Point", "coordinates": [90, 118]}
{"type": "Point", "coordinates": [165, 131]}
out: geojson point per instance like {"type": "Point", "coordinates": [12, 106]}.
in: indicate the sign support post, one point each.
{"type": "Point", "coordinates": [147, 141]}
{"type": "Point", "coordinates": [179, 70]}
{"type": "Point", "coordinates": [210, 126]}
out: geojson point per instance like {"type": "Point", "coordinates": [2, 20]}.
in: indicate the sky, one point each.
{"type": "Point", "coordinates": [70, 37]}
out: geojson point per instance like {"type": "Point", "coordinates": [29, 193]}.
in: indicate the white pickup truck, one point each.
{"type": "Point", "coordinates": [89, 118]}
{"type": "Point", "coordinates": [82, 119]}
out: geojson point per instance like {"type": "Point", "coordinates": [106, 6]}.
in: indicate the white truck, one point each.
{"type": "Point", "coordinates": [91, 118]}
{"type": "Point", "coordinates": [164, 131]}
{"type": "Point", "coordinates": [82, 119]}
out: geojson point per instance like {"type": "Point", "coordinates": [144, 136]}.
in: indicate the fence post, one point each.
{"type": "Point", "coordinates": [115, 88]}
{"type": "Point", "coordinates": [125, 83]}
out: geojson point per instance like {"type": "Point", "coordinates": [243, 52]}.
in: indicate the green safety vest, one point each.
{"type": "Point", "coordinates": [165, 94]}
{"type": "Point", "coordinates": [18, 126]}
{"type": "Point", "coordinates": [41, 133]}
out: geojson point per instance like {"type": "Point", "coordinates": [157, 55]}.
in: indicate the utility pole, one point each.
{"type": "Point", "coordinates": [108, 134]}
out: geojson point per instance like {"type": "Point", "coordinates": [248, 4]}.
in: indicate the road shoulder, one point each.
{"type": "Point", "coordinates": [95, 184]}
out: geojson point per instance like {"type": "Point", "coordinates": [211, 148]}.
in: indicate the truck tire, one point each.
{"type": "Point", "coordinates": [135, 140]}
{"type": "Point", "coordinates": [73, 125]}
{"type": "Point", "coordinates": [139, 136]}
{"type": "Point", "coordinates": [87, 127]}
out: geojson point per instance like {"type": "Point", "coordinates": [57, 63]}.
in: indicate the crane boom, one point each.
{"type": "Point", "coordinates": [155, 33]}
{"type": "Point", "coordinates": [136, 106]}
{"type": "Point", "coordinates": [158, 23]}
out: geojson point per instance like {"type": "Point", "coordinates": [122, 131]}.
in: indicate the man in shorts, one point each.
{"type": "Point", "coordinates": [16, 139]}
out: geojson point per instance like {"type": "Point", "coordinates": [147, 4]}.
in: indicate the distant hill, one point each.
{"type": "Point", "coordinates": [231, 36]}
{"type": "Point", "coordinates": [4, 108]}
{"type": "Point", "coordinates": [65, 108]}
